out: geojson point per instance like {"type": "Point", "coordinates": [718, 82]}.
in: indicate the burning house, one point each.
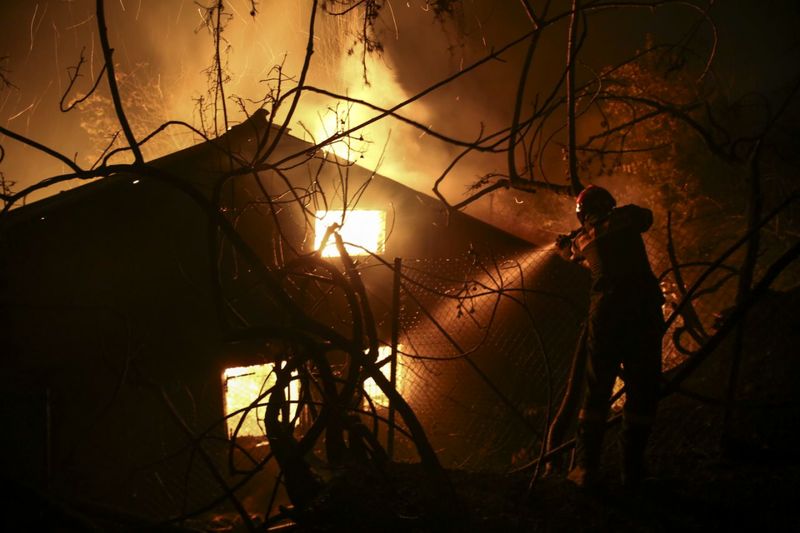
{"type": "Point", "coordinates": [123, 384]}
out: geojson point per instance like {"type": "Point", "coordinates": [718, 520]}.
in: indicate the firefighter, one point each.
{"type": "Point", "coordinates": [624, 331]}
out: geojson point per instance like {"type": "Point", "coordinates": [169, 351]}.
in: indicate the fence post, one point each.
{"type": "Point", "coordinates": [393, 360]}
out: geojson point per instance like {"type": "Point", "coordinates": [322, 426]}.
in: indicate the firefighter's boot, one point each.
{"type": "Point", "coordinates": [633, 442]}
{"type": "Point", "coordinates": [588, 448]}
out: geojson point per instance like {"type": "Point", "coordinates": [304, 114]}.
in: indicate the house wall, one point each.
{"type": "Point", "coordinates": [111, 326]}
{"type": "Point", "coordinates": [105, 297]}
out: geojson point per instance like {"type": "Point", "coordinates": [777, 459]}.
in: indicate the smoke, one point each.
{"type": "Point", "coordinates": [162, 50]}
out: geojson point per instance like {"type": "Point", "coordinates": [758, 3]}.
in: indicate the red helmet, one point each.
{"type": "Point", "coordinates": [594, 201]}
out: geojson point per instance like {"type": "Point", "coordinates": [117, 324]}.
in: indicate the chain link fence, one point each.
{"type": "Point", "coordinates": [487, 343]}
{"type": "Point", "coordinates": [485, 346]}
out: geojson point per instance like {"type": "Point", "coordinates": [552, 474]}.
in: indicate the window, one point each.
{"type": "Point", "coordinates": [373, 390]}
{"type": "Point", "coordinates": [363, 231]}
{"type": "Point", "coordinates": [242, 386]}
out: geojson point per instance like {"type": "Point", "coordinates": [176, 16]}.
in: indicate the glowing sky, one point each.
{"type": "Point", "coordinates": [161, 51]}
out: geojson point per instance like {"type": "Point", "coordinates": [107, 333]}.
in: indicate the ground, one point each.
{"type": "Point", "coordinates": [748, 481]}
{"type": "Point", "coordinates": [701, 482]}
{"type": "Point", "coordinates": [700, 488]}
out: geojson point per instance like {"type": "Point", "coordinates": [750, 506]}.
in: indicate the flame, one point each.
{"type": "Point", "coordinates": [373, 390]}
{"type": "Point", "coordinates": [386, 146]}
{"type": "Point", "coordinates": [335, 121]}
{"type": "Point", "coordinates": [363, 231]}
{"type": "Point", "coordinates": [242, 385]}
{"type": "Point", "coordinates": [620, 402]}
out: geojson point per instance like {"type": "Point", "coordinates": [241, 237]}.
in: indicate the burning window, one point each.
{"type": "Point", "coordinates": [242, 386]}
{"type": "Point", "coordinates": [363, 231]}
{"type": "Point", "coordinates": [373, 390]}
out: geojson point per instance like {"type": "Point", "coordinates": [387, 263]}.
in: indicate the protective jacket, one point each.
{"type": "Point", "coordinates": [613, 249]}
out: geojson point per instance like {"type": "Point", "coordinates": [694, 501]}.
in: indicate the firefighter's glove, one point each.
{"type": "Point", "coordinates": [564, 246]}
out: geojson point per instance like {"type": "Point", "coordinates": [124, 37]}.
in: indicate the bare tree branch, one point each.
{"type": "Point", "coordinates": [108, 53]}
{"type": "Point", "coordinates": [73, 77]}
{"type": "Point", "coordinates": [42, 148]}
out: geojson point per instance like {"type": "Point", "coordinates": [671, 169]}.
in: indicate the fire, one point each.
{"type": "Point", "coordinates": [242, 386]}
{"type": "Point", "coordinates": [373, 390]}
{"type": "Point", "coordinates": [620, 402]}
{"type": "Point", "coordinates": [334, 122]}
{"type": "Point", "coordinates": [363, 231]}
{"type": "Point", "coordinates": [386, 146]}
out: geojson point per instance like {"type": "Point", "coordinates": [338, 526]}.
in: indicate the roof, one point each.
{"type": "Point", "coordinates": [202, 165]}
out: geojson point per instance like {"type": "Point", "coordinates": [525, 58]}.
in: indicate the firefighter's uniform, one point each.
{"type": "Point", "coordinates": [624, 332]}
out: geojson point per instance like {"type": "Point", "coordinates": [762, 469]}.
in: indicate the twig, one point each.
{"type": "Point", "coordinates": [574, 180]}
{"type": "Point", "coordinates": [72, 79]}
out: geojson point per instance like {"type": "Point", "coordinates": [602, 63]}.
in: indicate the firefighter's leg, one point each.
{"type": "Point", "coordinates": [601, 370]}
{"type": "Point", "coordinates": [588, 450]}
{"type": "Point", "coordinates": [633, 443]}
{"type": "Point", "coordinates": [642, 384]}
